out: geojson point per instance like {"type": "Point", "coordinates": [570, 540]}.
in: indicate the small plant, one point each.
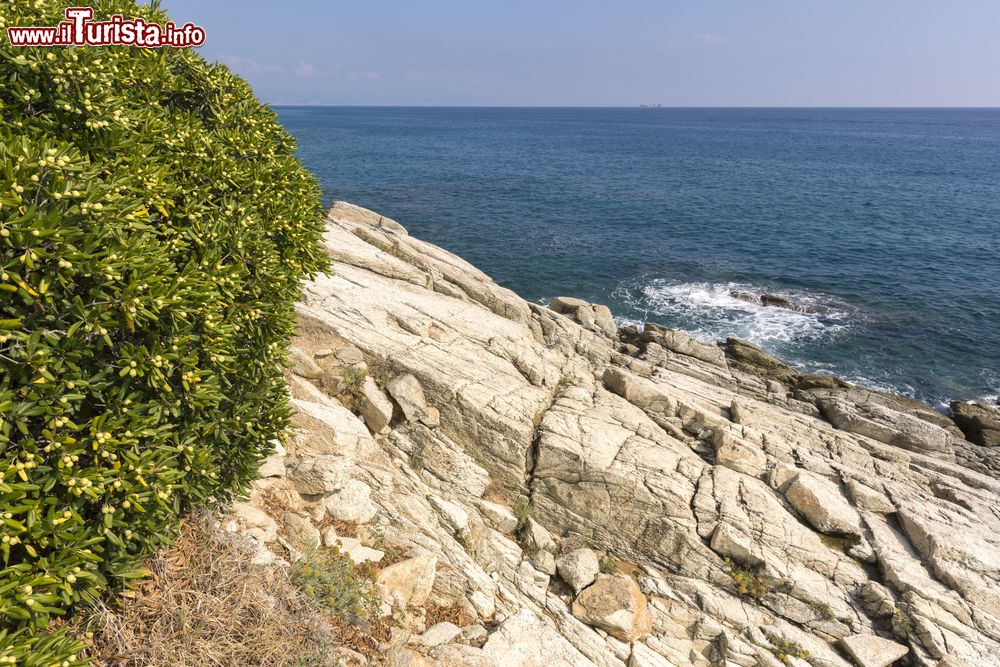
{"type": "Point", "coordinates": [377, 533]}
{"type": "Point", "coordinates": [329, 581]}
{"type": "Point", "coordinates": [417, 459]}
{"type": "Point", "coordinates": [354, 380]}
{"type": "Point", "coordinates": [319, 659]}
{"type": "Point", "coordinates": [783, 649]}
{"type": "Point", "coordinates": [572, 542]}
{"type": "Point", "coordinates": [749, 583]}
{"type": "Point", "coordinates": [381, 373]}
{"type": "Point", "coordinates": [523, 510]}
{"type": "Point", "coordinates": [846, 620]}
{"type": "Point", "coordinates": [825, 610]}
{"type": "Point", "coordinates": [607, 564]}
{"type": "Point", "coordinates": [564, 381]}
{"type": "Point", "coordinates": [900, 624]}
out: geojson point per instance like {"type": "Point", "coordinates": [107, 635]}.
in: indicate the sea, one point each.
{"type": "Point", "coordinates": [880, 226]}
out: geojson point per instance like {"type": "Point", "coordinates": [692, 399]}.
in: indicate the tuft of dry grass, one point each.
{"type": "Point", "coordinates": [207, 605]}
{"type": "Point", "coordinates": [496, 493]}
{"type": "Point", "coordinates": [435, 613]}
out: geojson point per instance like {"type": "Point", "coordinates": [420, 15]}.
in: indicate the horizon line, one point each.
{"type": "Point", "coordinates": [633, 106]}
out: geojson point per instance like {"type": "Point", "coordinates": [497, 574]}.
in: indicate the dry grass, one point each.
{"type": "Point", "coordinates": [496, 493]}
{"type": "Point", "coordinates": [206, 605]}
{"type": "Point", "coordinates": [341, 527]}
{"type": "Point", "coordinates": [434, 614]}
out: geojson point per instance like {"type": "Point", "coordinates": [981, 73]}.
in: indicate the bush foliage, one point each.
{"type": "Point", "coordinates": [154, 230]}
{"type": "Point", "coordinates": [330, 581]}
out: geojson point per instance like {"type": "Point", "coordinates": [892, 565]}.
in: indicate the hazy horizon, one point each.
{"type": "Point", "coordinates": [621, 106]}
{"type": "Point", "coordinates": [725, 54]}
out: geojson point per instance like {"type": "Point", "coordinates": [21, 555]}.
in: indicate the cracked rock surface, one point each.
{"type": "Point", "coordinates": [740, 512]}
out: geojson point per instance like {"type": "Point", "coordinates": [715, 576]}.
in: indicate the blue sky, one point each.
{"type": "Point", "coordinates": [608, 53]}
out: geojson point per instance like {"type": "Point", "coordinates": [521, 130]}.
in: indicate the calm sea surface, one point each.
{"type": "Point", "coordinates": [885, 223]}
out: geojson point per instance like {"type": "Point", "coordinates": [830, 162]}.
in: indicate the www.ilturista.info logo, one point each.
{"type": "Point", "coordinates": [79, 30]}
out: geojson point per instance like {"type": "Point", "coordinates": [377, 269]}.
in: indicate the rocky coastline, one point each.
{"type": "Point", "coordinates": [575, 493]}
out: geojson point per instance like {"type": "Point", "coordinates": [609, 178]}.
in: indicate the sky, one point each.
{"type": "Point", "coordinates": [607, 53]}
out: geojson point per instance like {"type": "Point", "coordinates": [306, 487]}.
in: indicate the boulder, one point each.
{"type": "Point", "coordinates": [872, 650]}
{"type": "Point", "coordinates": [351, 502]}
{"type": "Point", "coordinates": [579, 568]}
{"type": "Point", "coordinates": [544, 561]}
{"type": "Point", "coordinates": [597, 318]}
{"type": "Point", "coordinates": [498, 516]}
{"type": "Point", "coordinates": [884, 424]}
{"type": "Point", "coordinates": [327, 427]}
{"type": "Point", "coordinates": [318, 475]}
{"type": "Point", "coordinates": [349, 355]}
{"type": "Point", "coordinates": [401, 656]}
{"type": "Point", "coordinates": [408, 583]}
{"type": "Point", "coordinates": [615, 604]}
{"type": "Point", "coordinates": [300, 532]}
{"type": "Point", "coordinates": [453, 515]}
{"type": "Point", "coordinates": [822, 504]}
{"type": "Point", "coordinates": [536, 538]}
{"type": "Point", "coordinates": [408, 393]}
{"type": "Point", "coordinates": [439, 633]}
{"type": "Point", "coordinates": [638, 391]}
{"type": "Point", "coordinates": [751, 359]}
{"type": "Point", "coordinates": [738, 454]}
{"type": "Point", "coordinates": [376, 408]}
{"type": "Point", "coordinates": [255, 522]}
{"type": "Point", "coordinates": [431, 417]}
{"type": "Point", "coordinates": [303, 365]}
{"type": "Point", "coordinates": [524, 639]}
{"type": "Point", "coordinates": [604, 320]}
{"type": "Point", "coordinates": [654, 336]}
{"type": "Point", "coordinates": [775, 301]}
{"type": "Point", "coordinates": [729, 541]}
{"type": "Point", "coordinates": [979, 423]}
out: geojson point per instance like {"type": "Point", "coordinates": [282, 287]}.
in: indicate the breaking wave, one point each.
{"type": "Point", "coordinates": [714, 311]}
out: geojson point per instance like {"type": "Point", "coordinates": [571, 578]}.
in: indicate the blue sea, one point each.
{"type": "Point", "coordinates": [882, 225]}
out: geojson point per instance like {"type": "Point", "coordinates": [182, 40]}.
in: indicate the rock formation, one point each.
{"type": "Point", "coordinates": [583, 495]}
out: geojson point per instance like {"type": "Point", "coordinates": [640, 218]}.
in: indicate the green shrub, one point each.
{"type": "Point", "coordinates": [353, 394]}
{"type": "Point", "coordinates": [607, 564]}
{"type": "Point", "coordinates": [783, 649]}
{"type": "Point", "coordinates": [749, 582]}
{"type": "Point", "coordinates": [523, 509]}
{"type": "Point", "coordinates": [330, 581]}
{"type": "Point", "coordinates": [154, 230]}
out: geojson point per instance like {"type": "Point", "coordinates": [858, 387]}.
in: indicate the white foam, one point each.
{"type": "Point", "coordinates": [710, 311]}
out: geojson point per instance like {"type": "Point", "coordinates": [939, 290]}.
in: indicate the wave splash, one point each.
{"type": "Point", "coordinates": [714, 311]}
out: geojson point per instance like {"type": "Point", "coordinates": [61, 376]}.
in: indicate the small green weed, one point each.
{"type": "Point", "coordinates": [749, 583]}
{"type": "Point", "coordinates": [825, 610]}
{"type": "Point", "coordinates": [783, 649]}
{"type": "Point", "coordinates": [523, 510]}
{"type": "Point", "coordinates": [354, 380]}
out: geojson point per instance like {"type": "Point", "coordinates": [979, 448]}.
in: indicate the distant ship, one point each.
{"type": "Point", "coordinates": [650, 106]}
